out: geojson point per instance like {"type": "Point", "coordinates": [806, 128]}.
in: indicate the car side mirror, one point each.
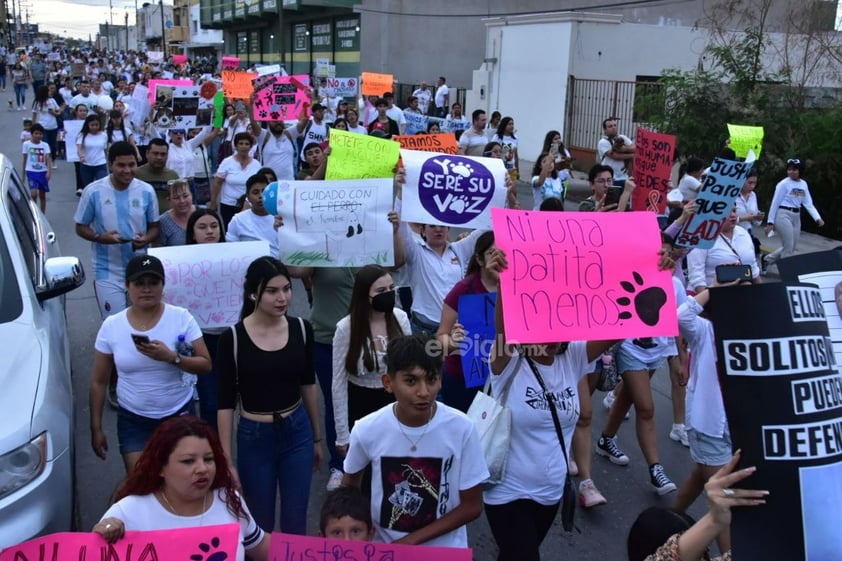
{"type": "Point", "coordinates": [61, 275]}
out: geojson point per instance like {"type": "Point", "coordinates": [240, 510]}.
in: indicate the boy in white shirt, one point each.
{"type": "Point", "coordinates": [256, 223]}
{"type": "Point", "coordinates": [427, 465]}
{"type": "Point", "coordinates": [36, 165]}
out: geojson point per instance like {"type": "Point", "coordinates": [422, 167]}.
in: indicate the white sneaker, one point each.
{"type": "Point", "coordinates": [589, 495]}
{"type": "Point", "coordinates": [679, 434]}
{"type": "Point", "coordinates": [609, 399]}
{"type": "Point", "coordinates": [55, 166]}
{"type": "Point", "coordinates": [335, 479]}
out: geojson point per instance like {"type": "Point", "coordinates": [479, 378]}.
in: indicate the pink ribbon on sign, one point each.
{"type": "Point", "coordinates": [653, 201]}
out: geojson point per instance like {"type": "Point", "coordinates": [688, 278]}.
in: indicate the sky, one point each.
{"type": "Point", "coordinates": [78, 18]}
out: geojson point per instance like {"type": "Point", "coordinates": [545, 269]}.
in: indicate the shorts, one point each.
{"type": "Point", "coordinates": [710, 450]}
{"type": "Point", "coordinates": [627, 363]}
{"type": "Point", "coordinates": [111, 297]}
{"type": "Point", "coordinates": [38, 180]}
{"type": "Point", "coordinates": [133, 430]}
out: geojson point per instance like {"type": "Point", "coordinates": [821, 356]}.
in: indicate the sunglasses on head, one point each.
{"type": "Point", "coordinates": [793, 162]}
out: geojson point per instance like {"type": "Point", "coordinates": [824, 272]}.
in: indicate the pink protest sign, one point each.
{"type": "Point", "coordinates": [277, 98]}
{"type": "Point", "coordinates": [155, 81]}
{"type": "Point", "coordinates": [209, 542]}
{"type": "Point", "coordinates": [179, 59]}
{"type": "Point", "coordinates": [577, 276]}
{"type": "Point", "coordinates": [231, 62]}
{"type": "Point", "coordinates": [653, 158]}
{"type": "Point", "coordinates": [288, 547]}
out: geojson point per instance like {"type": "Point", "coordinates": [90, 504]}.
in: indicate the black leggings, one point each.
{"type": "Point", "coordinates": [519, 527]}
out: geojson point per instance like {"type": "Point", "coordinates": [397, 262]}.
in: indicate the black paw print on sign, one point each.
{"type": "Point", "coordinates": [647, 303]}
{"type": "Point", "coordinates": [275, 115]}
{"type": "Point", "coordinates": [263, 113]}
{"type": "Point", "coordinates": [207, 554]}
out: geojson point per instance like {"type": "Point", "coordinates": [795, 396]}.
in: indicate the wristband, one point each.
{"type": "Point", "coordinates": [316, 441]}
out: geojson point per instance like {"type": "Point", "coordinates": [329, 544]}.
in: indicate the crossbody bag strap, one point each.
{"type": "Point", "coordinates": [551, 401]}
{"type": "Point", "coordinates": [236, 365]}
{"type": "Point", "coordinates": [504, 391]}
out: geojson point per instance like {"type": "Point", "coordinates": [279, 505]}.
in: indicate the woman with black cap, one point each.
{"type": "Point", "coordinates": [791, 193]}
{"type": "Point", "coordinates": [151, 344]}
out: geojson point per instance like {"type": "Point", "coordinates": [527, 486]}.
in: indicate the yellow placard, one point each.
{"type": "Point", "coordinates": [745, 138]}
{"type": "Point", "coordinates": [357, 156]}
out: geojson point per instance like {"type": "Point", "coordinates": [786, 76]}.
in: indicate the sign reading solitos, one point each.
{"type": "Point", "coordinates": [452, 190]}
{"type": "Point", "coordinates": [579, 276]}
{"type": "Point", "coordinates": [783, 398]}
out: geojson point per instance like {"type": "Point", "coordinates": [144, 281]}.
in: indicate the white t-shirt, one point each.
{"type": "Point", "coordinates": [246, 226]}
{"type": "Point", "coordinates": [235, 177]}
{"type": "Point", "coordinates": [410, 490]}
{"type": "Point", "coordinates": [36, 155]}
{"type": "Point", "coordinates": [278, 153]}
{"type": "Point", "coordinates": [313, 133]}
{"type": "Point", "coordinates": [180, 158]}
{"type": "Point", "coordinates": [536, 467]}
{"type": "Point", "coordinates": [702, 263]}
{"type": "Point", "coordinates": [396, 114]}
{"type": "Point", "coordinates": [619, 166]}
{"type": "Point", "coordinates": [424, 98]}
{"type": "Point", "coordinates": [143, 513]}
{"type": "Point", "coordinates": [359, 129]}
{"type": "Point", "coordinates": [441, 92]}
{"type": "Point", "coordinates": [689, 187]}
{"type": "Point", "coordinates": [148, 387]}
{"type": "Point", "coordinates": [93, 148]}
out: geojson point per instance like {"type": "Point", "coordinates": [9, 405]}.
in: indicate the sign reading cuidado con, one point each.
{"type": "Point", "coordinates": [452, 190]}
{"type": "Point", "coordinates": [782, 394]}
{"type": "Point", "coordinates": [207, 278]}
{"type": "Point", "coordinates": [576, 276]}
{"type": "Point", "coordinates": [288, 547]}
{"type": "Point", "coordinates": [205, 542]}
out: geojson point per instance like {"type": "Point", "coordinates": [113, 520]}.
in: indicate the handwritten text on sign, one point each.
{"type": "Point", "coordinates": [287, 547]}
{"type": "Point", "coordinates": [716, 198]}
{"type": "Point", "coordinates": [476, 314]}
{"type": "Point", "coordinates": [333, 223]}
{"type": "Point", "coordinates": [452, 190]}
{"type": "Point", "coordinates": [207, 279]}
{"type": "Point", "coordinates": [357, 156]}
{"type": "Point", "coordinates": [442, 143]}
{"type": "Point", "coordinates": [156, 545]}
{"type": "Point", "coordinates": [237, 85]}
{"type": "Point", "coordinates": [377, 84]}
{"type": "Point", "coordinates": [581, 276]}
{"type": "Point", "coordinates": [652, 168]}
{"type": "Point", "coordinates": [746, 138]}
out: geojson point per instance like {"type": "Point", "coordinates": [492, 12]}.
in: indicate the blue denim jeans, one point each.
{"type": "Point", "coordinates": [20, 94]}
{"type": "Point", "coordinates": [89, 174]}
{"type": "Point", "coordinates": [323, 362]}
{"type": "Point", "coordinates": [206, 384]}
{"type": "Point", "coordinates": [274, 456]}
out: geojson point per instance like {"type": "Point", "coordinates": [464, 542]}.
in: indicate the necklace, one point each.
{"type": "Point", "coordinates": [414, 444]}
{"type": "Point", "coordinates": [171, 509]}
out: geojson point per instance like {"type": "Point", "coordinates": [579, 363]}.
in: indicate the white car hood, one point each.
{"type": "Point", "coordinates": [20, 369]}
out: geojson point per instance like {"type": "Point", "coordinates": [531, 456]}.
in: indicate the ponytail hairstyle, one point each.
{"type": "Point", "coordinates": [259, 273]}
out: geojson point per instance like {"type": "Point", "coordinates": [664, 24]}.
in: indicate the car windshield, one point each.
{"type": "Point", "coordinates": [11, 305]}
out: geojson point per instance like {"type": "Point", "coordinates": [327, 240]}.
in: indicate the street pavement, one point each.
{"type": "Point", "coordinates": [601, 531]}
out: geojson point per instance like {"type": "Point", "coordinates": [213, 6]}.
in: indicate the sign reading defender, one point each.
{"type": "Point", "coordinates": [783, 398]}
{"type": "Point", "coordinates": [452, 190]}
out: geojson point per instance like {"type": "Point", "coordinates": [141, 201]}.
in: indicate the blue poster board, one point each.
{"type": "Point", "coordinates": [476, 314]}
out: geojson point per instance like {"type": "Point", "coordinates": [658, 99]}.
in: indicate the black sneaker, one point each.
{"type": "Point", "coordinates": [660, 481]}
{"type": "Point", "coordinates": [607, 446]}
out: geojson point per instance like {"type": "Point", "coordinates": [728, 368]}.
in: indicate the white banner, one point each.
{"type": "Point", "coordinates": [452, 190]}
{"type": "Point", "coordinates": [139, 105]}
{"type": "Point", "coordinates": [333, 223]}
{"type": "Point", "coordinates": [207, 279]}
{"type": "Point", "coordinates": [343, 87]}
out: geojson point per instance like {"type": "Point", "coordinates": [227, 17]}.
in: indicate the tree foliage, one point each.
{"type": "Point", "coordinates": [737, 86]}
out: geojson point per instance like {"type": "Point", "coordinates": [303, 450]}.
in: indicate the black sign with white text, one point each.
{"type": "Point", "coordinates": [783, 398]}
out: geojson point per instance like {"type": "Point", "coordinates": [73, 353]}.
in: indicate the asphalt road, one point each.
{"type": "Point", "coordinates": [602, 530]}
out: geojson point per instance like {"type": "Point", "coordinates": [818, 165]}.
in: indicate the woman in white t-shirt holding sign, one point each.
{"type": "Point", "coordinates": [182, 480]}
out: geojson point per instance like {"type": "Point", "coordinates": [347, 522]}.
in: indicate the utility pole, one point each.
{"type": "Point", "coordinates": [281, 34]}
{"type": "Point", "coordinates": [163, 30]}
{"type": "Point", "coordinates": [127, 30]}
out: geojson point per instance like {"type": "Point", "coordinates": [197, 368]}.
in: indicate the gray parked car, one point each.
{"type": "Point", "coordinates": [36, 399]}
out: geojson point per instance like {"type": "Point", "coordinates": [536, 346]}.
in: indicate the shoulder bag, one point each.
{"type": "Point", "coordinates": [568, 498]}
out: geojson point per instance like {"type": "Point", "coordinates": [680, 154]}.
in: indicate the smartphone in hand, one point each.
{"type": "Point", "coordinates": [731, 273]}
{"type": "Point", "coordinates": [612, 195]}
{"type": "Point", "coordinates": [140, 339]}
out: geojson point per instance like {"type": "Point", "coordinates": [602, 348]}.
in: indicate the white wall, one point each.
{"type": "Point", "coordinates": [204, 36]}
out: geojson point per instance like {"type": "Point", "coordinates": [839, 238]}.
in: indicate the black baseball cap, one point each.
{"type": "Point", "coordinates": [142, 265]}
{"type": "Point", "coordinates": [317, 106]}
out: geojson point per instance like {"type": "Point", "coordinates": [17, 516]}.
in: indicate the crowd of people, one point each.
{"type": "Point", "coordinates": [393, 430]}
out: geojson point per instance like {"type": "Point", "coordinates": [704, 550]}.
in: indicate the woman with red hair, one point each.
{"type": "Point", "coordinates": [182, 480]}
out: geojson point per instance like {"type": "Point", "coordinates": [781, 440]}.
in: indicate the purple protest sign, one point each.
{"type": "Point", "coordinates": [452, 190]}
